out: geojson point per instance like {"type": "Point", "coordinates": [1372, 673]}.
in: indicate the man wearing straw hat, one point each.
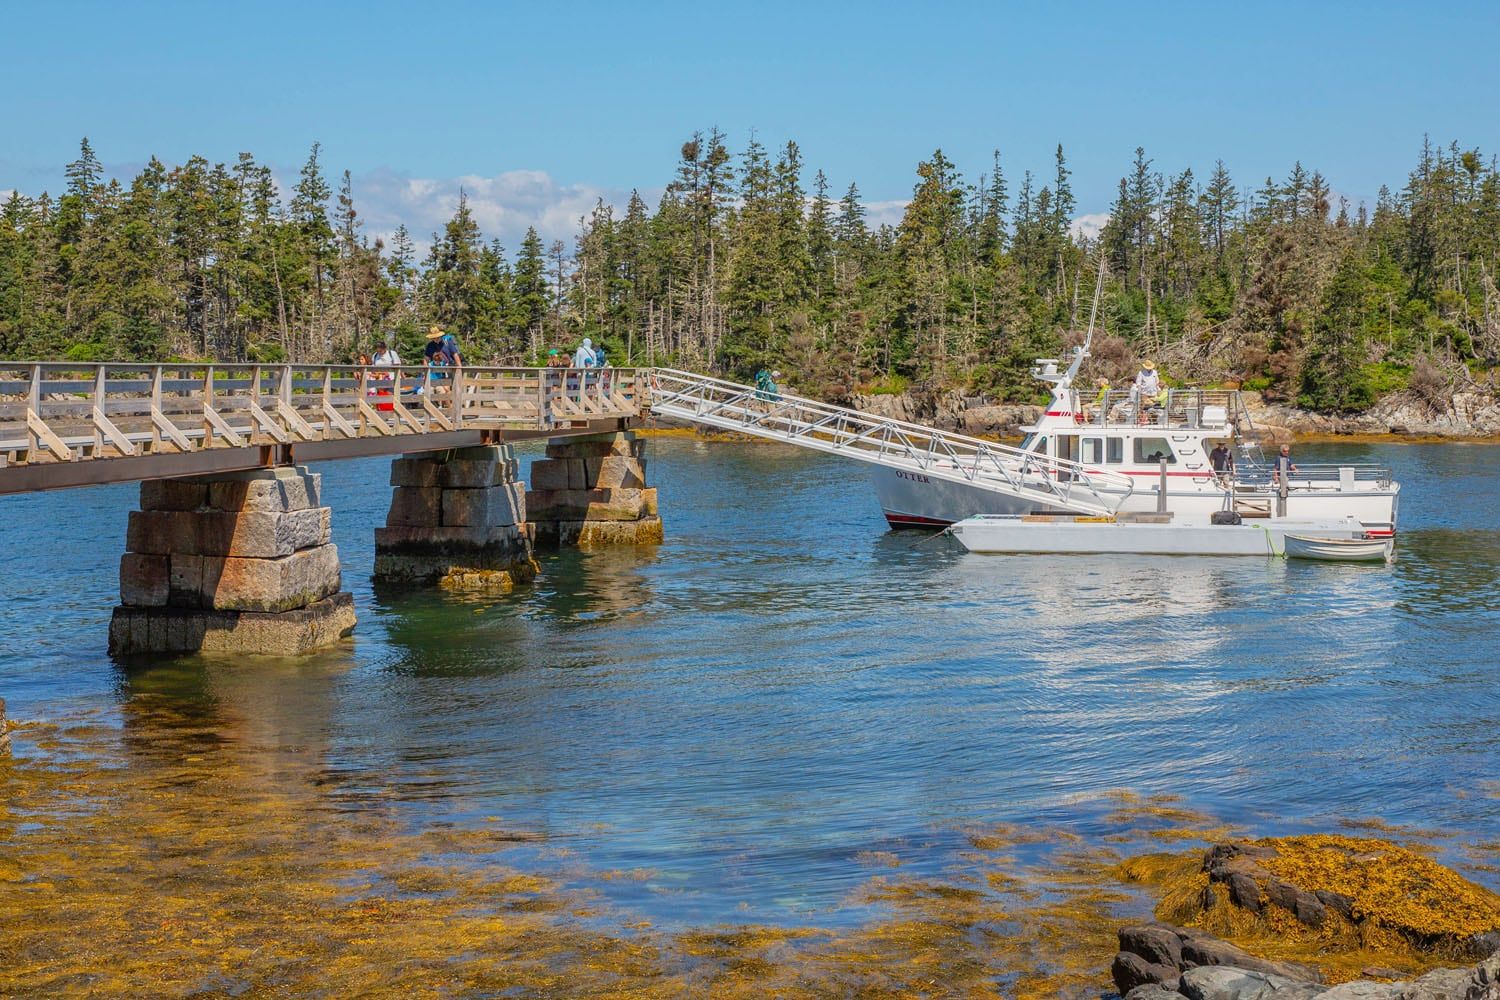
{"type": "Point", "coordinates": [1147, 384]}
{"type": "Point", "coordinates": [441, 351]}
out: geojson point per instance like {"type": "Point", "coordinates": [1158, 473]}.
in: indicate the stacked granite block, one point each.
{"type": "Point", "coordinates": [457, 518]}
{"type": "Point", "coordinates": [592, 491]}
{"type": "Point", "coordinates": [237, 562]}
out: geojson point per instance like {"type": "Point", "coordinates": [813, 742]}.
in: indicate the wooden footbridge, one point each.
{"type": "Point", "coordinates": [231, 550]}
{"type": "Point", "coordinates": [67, 424]}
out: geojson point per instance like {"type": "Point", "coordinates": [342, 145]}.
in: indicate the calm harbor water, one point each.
{"type": "Point", "coordinates": [737, 716]}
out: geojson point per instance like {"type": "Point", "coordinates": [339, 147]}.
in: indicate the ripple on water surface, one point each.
{"type": "Point", "coordinates": [747, 715]}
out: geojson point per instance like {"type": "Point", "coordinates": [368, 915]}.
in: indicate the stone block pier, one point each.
{"type": "Point", "coordinates": [237, 562]}
{"type": "Point", "coordinates": [457, 519]}
{"type": "Point", "coordinates": [591, 491]}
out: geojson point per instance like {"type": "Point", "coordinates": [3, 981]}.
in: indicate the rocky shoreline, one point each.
{"type": "Point", "coordinates": [1163, 962]}
{"type": "Point", "coordinates": [1470, 416]}
{"type": "Point", "coordinates": [1347, 918]}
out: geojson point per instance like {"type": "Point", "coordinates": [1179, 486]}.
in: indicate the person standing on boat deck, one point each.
{"type": "Point", "coordinates": [1284, 467]}
{"type": "Point", "coordinates": [1223, 462]}
{"type": "Point", "coordinates": [1145, 387]}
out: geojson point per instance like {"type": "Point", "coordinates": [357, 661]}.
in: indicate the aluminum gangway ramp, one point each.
{"type": "Point", "coordinates": [1049, 483]}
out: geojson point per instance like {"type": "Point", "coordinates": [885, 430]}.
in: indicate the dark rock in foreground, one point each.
{"type": "Point", "coordinates": [1162, 962]}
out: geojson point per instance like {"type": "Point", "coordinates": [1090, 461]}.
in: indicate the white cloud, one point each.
{"type": "Point", "coordinates": [880, 213]}
{"type": "Point", "coordinates": [1089, 225]}
{"type": "Point", "coordinates": [504, 205]}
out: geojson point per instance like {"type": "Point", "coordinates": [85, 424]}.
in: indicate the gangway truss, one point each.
{"type": "Point", "coordinates": [1049, 483]}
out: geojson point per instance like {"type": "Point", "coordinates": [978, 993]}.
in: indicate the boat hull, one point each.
{"type": "Point", "coordinates": [911, 500]}
{"type": "Point", "coordinates": [1022, 535]}
{"type": "Point", "coordinates": [1339, 550]}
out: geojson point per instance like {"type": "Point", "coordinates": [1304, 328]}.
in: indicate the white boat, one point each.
{"type": "Point", "coordinates": [1339, 549]}
{"type": "Point", "coordinates": [1047, 534]}
{"type": "Point", "coordinates": [1143, 457]}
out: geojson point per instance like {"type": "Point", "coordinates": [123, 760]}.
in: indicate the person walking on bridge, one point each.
{"type": "Point", "coordinates": [386, 356]}
{"type": "Point", "coordinates": [441, 352]}
{"type": "Point", "coordinates": [585, 357]}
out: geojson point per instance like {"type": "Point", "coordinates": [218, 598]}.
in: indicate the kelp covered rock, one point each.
{"type": "Point", "coordinates": [1344, 904]}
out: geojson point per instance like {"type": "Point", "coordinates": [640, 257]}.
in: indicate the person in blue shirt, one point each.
{"type": "Point", "coordinates": [441, 351]}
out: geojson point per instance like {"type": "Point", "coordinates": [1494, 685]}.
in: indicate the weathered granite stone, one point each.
{"type": "Point", "coordinates": [1153, 942]}
{"type": "Point", "coordinates": [623, 443]}
{"type": "Point", "coordinates": [279, 489]}
{"type": "Point", "coordinates": [207, 550]}
{"type": "Point", "coordinates": [465, 527]}
{"type": "Point", "coordinates": [144, 579]}
{"type": "Point", "coordinates": [414, 506]}
{"type": "Point", "coordinates": [470, 579]}
{"type": "Point", "coordinates": [255, 534]}
{"type": "Point", "coordinates": [1484, 981]}
{"type": "Point", "coordinates": [236, 584]}
{"type": "Point", "coordinates": [473, 474]}
{"type": "Point", "coordinates": [1202, 949]}
{"type": "Point", "coordinates": [1362, 990]}
{"type": "Point", "coordinates": [592, 491]}
{"type": "Point", "coordinates": [1222, 982]}
{"type": "Point", "coordinates": [614, 472]}
{"type": "Point", "coordinates": [416, 472]}
{"type": "Point", "coordinates": [173, 494]}
{"type": "Point", "coordinates": [135, 631]}
{"type": "Point", "coordinates": [494, 506]}
{"type": "Point", "coordinates": [645, 531]}
{"type": "Point", "coordinates": [447, 540]}
{"type": "Point", "coordinates": [1153, 991]}
{"type": "Point", "coordinates": [4, 730]}
{"type": "Point", "coordinates": [1130, 970]}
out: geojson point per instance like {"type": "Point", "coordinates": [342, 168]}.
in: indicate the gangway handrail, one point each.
{"type": "Point", "coordinates": [901, 444]}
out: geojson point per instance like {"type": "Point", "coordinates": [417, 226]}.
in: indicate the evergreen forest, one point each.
{"type": "Point", "coordinates": [751, 259]}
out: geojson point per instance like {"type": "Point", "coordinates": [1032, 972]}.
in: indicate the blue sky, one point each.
{"type": "Point", "coordinates": [539, 108]}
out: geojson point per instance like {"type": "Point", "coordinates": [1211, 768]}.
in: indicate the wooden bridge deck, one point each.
{"type": "Point", "coordinates": [64, 424]}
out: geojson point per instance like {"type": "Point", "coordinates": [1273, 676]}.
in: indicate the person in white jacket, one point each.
{"type": "Point", "coordinates": [585, 357]}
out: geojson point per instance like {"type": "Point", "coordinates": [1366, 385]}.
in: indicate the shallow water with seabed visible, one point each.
{"type": "Point", "coordinates": [730, 726]}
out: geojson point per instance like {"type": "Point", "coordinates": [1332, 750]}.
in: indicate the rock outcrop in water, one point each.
{"type": "Point", "coordinates": [1162, 962]}
{"type": "Point", "coordinates": [1332, 900]}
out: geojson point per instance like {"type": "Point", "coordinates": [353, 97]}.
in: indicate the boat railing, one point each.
{"type": "Point", "coordinates": [1314, 476]}
{"type": "Point", "coordinates": [1177, 409]}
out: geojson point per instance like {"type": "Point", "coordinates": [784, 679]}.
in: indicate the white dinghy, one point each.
{"type": "Point", "coordinates": [1339, 549]}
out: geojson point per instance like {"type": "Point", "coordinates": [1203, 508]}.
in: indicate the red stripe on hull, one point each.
{"type": "Point", "coordinates": [913, 521]}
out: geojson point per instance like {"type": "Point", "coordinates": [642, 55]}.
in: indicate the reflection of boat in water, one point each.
{"type": "Point", "coordinates": [1339, 549]}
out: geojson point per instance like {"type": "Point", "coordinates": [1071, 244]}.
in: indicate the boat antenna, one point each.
{"type": "Point", "coordinates": [1079, 353]}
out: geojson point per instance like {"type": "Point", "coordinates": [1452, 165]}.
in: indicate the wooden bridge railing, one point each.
{"type": "Point", "coordinates": [66, 412]}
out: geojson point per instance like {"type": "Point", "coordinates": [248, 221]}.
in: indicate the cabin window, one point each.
{"type": "Point", "coordinates": [1116, 450]}
{"type": "Point", "coordinates": [1151, 450]}
{"type": "Point", "coordinates": [1093, 451]}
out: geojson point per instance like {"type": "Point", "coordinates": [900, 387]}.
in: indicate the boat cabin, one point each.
{"type": "Point", "coordinates": [1119, 433]}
